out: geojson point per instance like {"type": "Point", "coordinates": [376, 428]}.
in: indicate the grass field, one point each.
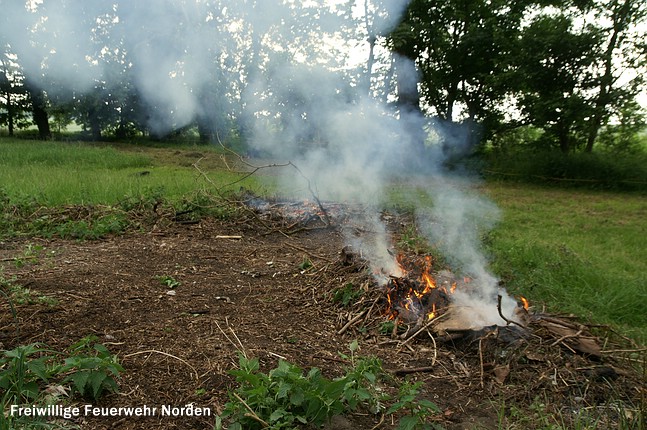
{"type": "Point", "coordinates": [571, 250]}
{"type": "Point", "coordinates": [575, 251]}
{"type": "Point", "coordinates": [80, 173]}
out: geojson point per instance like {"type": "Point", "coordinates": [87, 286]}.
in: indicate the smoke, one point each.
{"type": "Point", "coordinates": [456, 225]}
{"type": "Point", "coordinates": [278, 66]}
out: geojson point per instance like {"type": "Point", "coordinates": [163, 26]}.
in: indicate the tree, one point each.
{"type": "Point", "coordinates": [39, 109]}
{"type": "Point", "coordinates": [463, 50]}
{"type": "Point", "coordinates": [13, 95]}
{"type": "Point", "coordinates": [623, 41]}
{"type": "Point", "coordinates": [554, 75]}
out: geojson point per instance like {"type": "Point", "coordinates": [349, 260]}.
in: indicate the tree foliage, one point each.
{"type": "Point", "coordinates": [555, 65]}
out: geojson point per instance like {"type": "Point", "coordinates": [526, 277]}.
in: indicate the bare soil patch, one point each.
{"type": "Point", "coordinates": [244, 288]}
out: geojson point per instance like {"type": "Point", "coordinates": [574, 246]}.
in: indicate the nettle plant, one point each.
{"type": "Point", "coordinates": [287, 396]}
{"type": "Point", "coordinates": [35, 374]}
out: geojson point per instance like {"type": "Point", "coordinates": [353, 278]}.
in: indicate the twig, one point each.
{"type": "Point", "coordinates": [379, 424]}
{"type": "Point", "coordinates": [276, 355]}
{"type": "Point", "coordinates": [251, 414]}
{"type": "Point", "coordinates": [508, 321]}
{"type": "Point", "coordinates": [559, 321]}
{"type": "Point", "coordinates": [236, 336]}
{"type": "Point", "coordinates": [423, 328]}
{"type": "Point", "coordinates": [433, 360]}
{"type": "Point", "coordinates": [242, 351]}
{"type": "Point", "coordinates": [408, 371]}
{"type": "Point", "coordinates": [566, 336]}
{"type": "Point", "coordinates": [148, 351]}
{"type": "Point", "coordinates": [351, 322]}
{"type": "Point", "coordinates": [368, 314]}
{"type": "Point", "coordinates": [613, 351]}
{"type": "Point", "coordinates": [298, 248]}
{"type": "Point", "coordinates": [289, 163]}
{"type": "Point", "coordinates": [338, 360]}
{"type": "Point", "coordinates": [394, 332]}
{"type": "Point", "coordinates": [314, 195]}
{"type": "Point", "coordinates": [481, 358]}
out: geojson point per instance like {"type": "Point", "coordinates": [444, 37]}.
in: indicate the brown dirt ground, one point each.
{"type": "Point", "coordinates": [251, 294]}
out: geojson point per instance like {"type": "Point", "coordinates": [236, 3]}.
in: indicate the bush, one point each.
{"type": "Point", "coordinates": [600, 170]}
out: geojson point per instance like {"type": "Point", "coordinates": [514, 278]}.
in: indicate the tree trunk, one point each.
{"type": "Point", "coordinates": [620, 18]}
{"type": "Point", "coordinates": [372, 39]}
{"type": "Point", "coordinates": [39, 111]}
{"type": "Point", "coordinates": [95, 124]}
{"type": "Point", "coordinates": [388, 79]}
{"type": "Point", "coordinates": [10, 114]}
{"type": "Point", "coordinates": [564, 143]}
{"type": "Point", "coordinates": [205, 130]}
{"type": "Point", "coordinates": [409, 99]}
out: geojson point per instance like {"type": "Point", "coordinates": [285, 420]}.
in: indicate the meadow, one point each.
{"type": "Point", "coordinates": [56, 173]}
{"type": "Point", "coordinates": [575, 251]}
{"type": "Point", "coordinates": [570, 250]}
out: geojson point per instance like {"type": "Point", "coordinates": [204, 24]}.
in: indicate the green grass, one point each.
{"type": "Point", "coordinates": [55, 173]}
{"type": "Point", "coordinates": [576, 251]}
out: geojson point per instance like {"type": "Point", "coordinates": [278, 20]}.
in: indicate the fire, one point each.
{"type": "Point", "coordinates": [418, 294]}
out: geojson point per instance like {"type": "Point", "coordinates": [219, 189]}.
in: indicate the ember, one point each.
{"type": "Point", "coordinates": [418, 295]}
{"type": "Point", "coordinates": [409, 299]}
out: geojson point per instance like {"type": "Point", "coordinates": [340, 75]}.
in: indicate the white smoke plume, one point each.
{"type": "Point", "coordinates": [279, 65]}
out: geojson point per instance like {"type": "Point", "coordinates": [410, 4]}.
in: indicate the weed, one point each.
{"type": "Point", "coordinates": [26, 370]}
{"type": "Point", "coordinates": [386, 327]}
{"type": "Point", "coordinates": [21, 370]}
{"type": "Point", "coordinates": [17, 294]}
{"type": "Point", "coordinates": [412, 241]}
{"type": "Point", "coordinates": [418, 411]}
{"type": "Point", "coordinates": [93, 368]}
{"type": "Point", "coordinates": [30, 254]}
{"type": "Point", "coordinates": [305, 264]}
{"type": "Point", "coordinates": [25, 296]}
{"type": "Point", "coordinates": [288, 397]}
{"type": "Point", "coordinates": [99, 226]}
{"type": "Point", "coordinates": [168, 281]}
{"type": "Point", "coordinates": [347, 294]}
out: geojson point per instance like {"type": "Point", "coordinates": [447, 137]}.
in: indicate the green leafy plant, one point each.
{"type": "Point", "coordinates": [29, 372]}
{"type": "Point", "coordinates": [287, 396]}
{"type": "Point", "coordinates": [362, 381]}
{"type": "Point", "coordinates": [169, 281]}
{"type": "Point", "coordinates": [93, 368]}
{"type": "Point", "coordinates": [21, 370]}
{"type": "Point", "coordinates": [305, 264]}
{"type": "Point", "coordinates": [418, 411]}
{"type": "Point", "coordinates": [411, 240]}
{"type": "Point", "coordinates": [17, 294]}
{"type": "Point", "coordinates": [30, 254]}
{"type": "Point", "coordinates": [347, 294]}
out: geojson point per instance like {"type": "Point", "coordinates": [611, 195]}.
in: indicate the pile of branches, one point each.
{"type": "Point", "coordinates": [586, 370]}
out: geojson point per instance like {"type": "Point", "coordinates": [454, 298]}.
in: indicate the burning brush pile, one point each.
{"type": "Point", "coordinates": [419, 298]}
{"type": "Point", "coordinates": [467, 332]}
{"type": "Point", "coordinates": [523, 353]}
{"type": "Point", "coordinates": [423, 298]}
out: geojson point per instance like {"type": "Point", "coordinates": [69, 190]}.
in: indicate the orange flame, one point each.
{"type": "Point", "coordinates": [407, 298]}
{"type": "Point", "coordinates": [411, 300]}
